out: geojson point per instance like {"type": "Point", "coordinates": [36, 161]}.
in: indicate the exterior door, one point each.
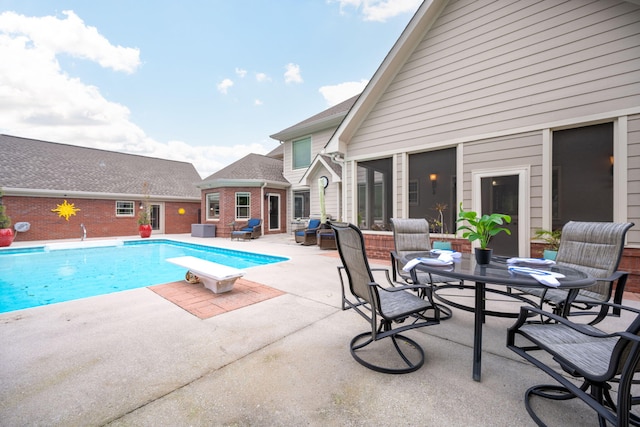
{"type": "Point", "coordinates": [155, 217]}
{"type": "Point", "coordinates": [274, 212]}
{"type": "Point", "coordinates": [505, 191]}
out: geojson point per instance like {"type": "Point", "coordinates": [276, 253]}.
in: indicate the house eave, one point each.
{"type": "Point", "coordinates": [223, 183]}
{"type": "Point", "coordinates": [34, 192]}
{"type": "Point", "coordinates": [306, 129]}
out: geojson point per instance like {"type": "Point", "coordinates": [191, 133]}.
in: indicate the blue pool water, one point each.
{"type": "Point", "coordinates": [31, 277]}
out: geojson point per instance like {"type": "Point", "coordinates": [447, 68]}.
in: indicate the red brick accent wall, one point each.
{"type": "Point", "coordinates": [379, 245]}
{"type": "Point", "coordinates": [228, 208]}
{"type": "Point", "coordinates": [98, 216]}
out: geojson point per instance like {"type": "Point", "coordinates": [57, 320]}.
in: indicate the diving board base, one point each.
{"type": "Point", "coordinates": [216, 277]}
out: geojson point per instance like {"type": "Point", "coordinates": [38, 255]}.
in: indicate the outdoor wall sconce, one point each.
{"type": "Point", "coordinates": [433, 177]}
{"type": "Point", "coordinates": [141, 205]}
{"type": "Point", "coordinates": [266, 195]}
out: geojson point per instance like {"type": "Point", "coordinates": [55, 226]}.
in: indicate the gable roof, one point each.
{"type": "Point", "coordinates": [331, 117]}
{"type": "Point", "coordinates": [31, 166]}
{"type": "Point", "coordinates": [251, 170]}
{"type": "Point", "coordinates": [412, 35]}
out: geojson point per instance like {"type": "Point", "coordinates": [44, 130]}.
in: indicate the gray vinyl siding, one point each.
{"type": "Point", "coordinates": [633, 178]}
{"type": "Point", "coordinates": [506, 152]}
{"type": "Point", "coordinates": [491, 67]}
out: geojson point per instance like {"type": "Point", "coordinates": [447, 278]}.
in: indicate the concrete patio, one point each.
{"type": "Point", "coordinates": [135, 359]}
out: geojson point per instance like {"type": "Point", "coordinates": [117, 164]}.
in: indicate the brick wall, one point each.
{"type": "Point", "coordinates": [98, 216]}
{"type": "Point", "coordinates": [379, 245]}
{"type": "Point", "coordinates": [228, 208]}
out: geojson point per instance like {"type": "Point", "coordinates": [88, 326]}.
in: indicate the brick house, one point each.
{"type": "Point", "coordinates": [107, 189]}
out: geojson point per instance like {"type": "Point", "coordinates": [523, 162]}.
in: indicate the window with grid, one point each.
{"type": "Point", "coordinates": [124, 208]}
{"type": "Point", "coordinates": [243, 205]}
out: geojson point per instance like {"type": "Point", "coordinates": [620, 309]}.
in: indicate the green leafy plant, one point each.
{"type": "Point", "coordinates": [482, 228]}
{"type": "Point", "coordinates": [143, 216]}
{"type": "Point", "coordinates": [5, 221]}
{"type": "Point", "coordinates": [550, 237]}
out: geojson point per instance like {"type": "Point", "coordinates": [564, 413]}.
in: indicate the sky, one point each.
{"type": "Point", "coordinates": [200, 81]}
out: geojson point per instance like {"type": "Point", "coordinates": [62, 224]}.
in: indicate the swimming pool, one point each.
{"type": "Point", "coordinates": [31, 277]}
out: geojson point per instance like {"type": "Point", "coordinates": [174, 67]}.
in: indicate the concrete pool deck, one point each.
{"type": "Point", "coordinates": [133, 358]}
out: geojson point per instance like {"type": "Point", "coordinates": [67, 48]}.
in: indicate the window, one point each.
{"type": "Point", "coordinates": [374, 194]}
{"type": "Point", "coordinates": [243, 205]}
{"type": "Point", "coordinates": [124, 208]}
{"type": "Point", "coordinates": [301, 204]}
{"type": "Point", "coordinates": [582, 173]}
{"type": "Point", "coordinates": [301, 153]}
{"type": "Point", "coordinates": [213, 206]}
{"type": "Point", "coordinates": [435, 198]}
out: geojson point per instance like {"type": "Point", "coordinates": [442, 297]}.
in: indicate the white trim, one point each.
{"type": "Point", "coordinates": [523, 172]}
{"type": "Point", "coordinates": [547, 174]}
{"type": "Point", "coordinates": [620, 169]}
{"type": "Point", "coordinates": [561, 124]}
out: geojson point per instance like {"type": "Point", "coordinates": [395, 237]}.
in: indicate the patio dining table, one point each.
{"type": "Point", "coordinates": [497, 273]}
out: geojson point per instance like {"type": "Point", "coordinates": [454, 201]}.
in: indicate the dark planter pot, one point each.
{"type": "Point", "coordinates": [483, 256]}
{"type": "Point", "coordinates": [145, 230]}
{"type": "Point", "coordinates": [6, 237]}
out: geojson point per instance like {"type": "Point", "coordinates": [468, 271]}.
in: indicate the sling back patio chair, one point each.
{"type": "Point", "coordinates": [410, 236]}
{"type": "Point", "coordinates": [596, 249]}
{"type": "Point", "coordinates": [587, 363]}
{"type": "Point", "coordinates": [389, 310]}
{"type": "Point", "coordinates": [308, 235]}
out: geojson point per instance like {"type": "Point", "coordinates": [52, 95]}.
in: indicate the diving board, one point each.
{"type": "Point", "coordinates": [216, 277]}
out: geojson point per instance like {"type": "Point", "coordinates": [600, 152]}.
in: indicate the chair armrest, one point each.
{"type": "Point", "coordinates": [525, 310]}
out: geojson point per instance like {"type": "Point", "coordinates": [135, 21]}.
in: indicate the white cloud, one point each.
{"type": "Point", "coordinates": [39, 100]}
{"type": "Point", "coordinates": [240, 72]}
{"type": "Point", "coordinates": [292, 75]}
{"type": "Point", "coordinates": [70, 36]}
{"type": "Point", "coordinates": [224, 86]}
{"type": "Point", "coordinates": [379, 10]}
{"type": "Point", "coordinates": [341, 92]}
{"type": "Point", "coordinates": [262, 77]}
{"type": "Point", "coordinates": [257, 102]}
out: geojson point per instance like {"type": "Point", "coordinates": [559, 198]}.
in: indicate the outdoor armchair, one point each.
{"type": "Point", "coordinates": [596, 249]}
{"type": "Point", "coordinates": [254, 226]}
{"type": "Point", "coordinates": [389, 310]}
{"type": "Point", "coordinates": [601, 362]}
{"type": "Point", "coordinates": [307, 236]}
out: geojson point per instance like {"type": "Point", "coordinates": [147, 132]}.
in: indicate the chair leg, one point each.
{"type": "Point", "coordinates": [408, 363]}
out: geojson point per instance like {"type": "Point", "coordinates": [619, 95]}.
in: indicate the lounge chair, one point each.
{"type": "Point", "coordinates": [307, 236]}
{"type": "Point", "coordinates": [389, 310]}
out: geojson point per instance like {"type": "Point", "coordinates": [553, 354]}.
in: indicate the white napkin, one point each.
{"type": "Point", "coordinates": [533, 261]}
{"type": "Point", "coordinates": [548, 278]}
{"type": "Point", "coordinates": [442, 261]}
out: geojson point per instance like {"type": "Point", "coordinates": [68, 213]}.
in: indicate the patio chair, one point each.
{"type": "Point", "coordinates": [411, 235]}
{"type": "Point", "coordinates": [254, 226]}
{"type": "Point", "coordinates": [389, 310]}
{"type": "Point", "coordinates": [307, 236]}
{"type": "Point", "coordinates": [594, 248]}
{"type": "Point", "coordinates": [603, 362]}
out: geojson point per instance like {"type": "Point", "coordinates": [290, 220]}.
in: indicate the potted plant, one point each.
{"type": "Point", "coordinates": [144, 222]}
{"type": "Point", "coordinates": [144, 219]}
{"type": "Point", "coordinates": [6, 233]}
{"type": "Point", "coordinates": [552, 242]}
{"type": "Point", "coordinates": [482, 228]}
